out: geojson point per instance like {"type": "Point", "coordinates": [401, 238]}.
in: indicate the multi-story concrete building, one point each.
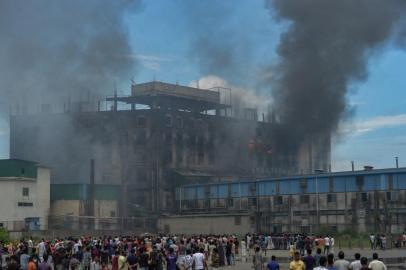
{"type": "Point", "coordinates": [24, 195]}
{"type": "Point", "coordinates": [367, 201]}
{"type": "Point", "coordinates": [161, 136]}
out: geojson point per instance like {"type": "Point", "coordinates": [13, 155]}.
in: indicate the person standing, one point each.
{"type": "Point", "coordinates": [95, 265]}
{"type": "Point", "coordinates": [327, 245]}
{"type": "Point", "coordinates": [228, 253]}
{"type": "Point", "coordinates": [132, 260]}
{"type": "Point", "coordinates": [122, 261]}
{"type": "Point", "coordinates": [296, 264]}
{"type": "Point", "coordinates": [273, 264]}
{"type": "Point", "coordinates": [87, 259]}
{"type": "Point", "coordinates": [199, 261]}
{"type": "Point", "coordinates": [144, 258]}
{"type": "Point", "coordinates": [45, 265]}
{"type": "Point", "coordinates": [383, 242]}
{"type": "Point", "coordinates": [332, 243]}
{"type": "Point", "coordinates": [41, 250]}
{"type": "Point", "coordinates": [364, 264]}
{"type": "Point", "coordinates": [171, 260]}
{"type": "Point", "coordinates": [341, 263]}
{"type": "Point", "coordinates": [243, 251]}
{"type": "Point", "coordinates": [376, 264]}
{"type": "Point", "coordinates": [31, 264]}
{"type": "Point", "coordinates": [317, 257]}
{"type": "Point", "coordinates": [215, 259]}
{"type": "Point", "coordinates": [356, 265]}
{"type": "Point", "coordinates": [257, 259]}
{"type": "Point", "coordinates": [323, 262]}
{"type": "Point", "coordinates": [309, 260]}
{"type": "Point", "coordinates": [372, 241]}
{"type": "Point", "coordinates": [330, 262]}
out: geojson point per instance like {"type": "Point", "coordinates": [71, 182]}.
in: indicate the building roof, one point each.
{"type": "Point", "coordinates": [318, 175]}
{"type": "Point", "coordinates": [167, 95]}
{"type": "Point", "coordinates": [71, 192]}
{"type": "Point", "coordinates": [18, 168]}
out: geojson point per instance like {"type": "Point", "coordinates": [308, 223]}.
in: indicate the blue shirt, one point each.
{"type": "Point", "coordinates": [273, 265]}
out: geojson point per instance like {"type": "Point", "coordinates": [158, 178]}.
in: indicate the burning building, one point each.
{"type": "Point", "coordinates": [161, 136]}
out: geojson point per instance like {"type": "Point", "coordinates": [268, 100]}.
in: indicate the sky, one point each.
{"type": "Point", "coordinates": [162, 32]}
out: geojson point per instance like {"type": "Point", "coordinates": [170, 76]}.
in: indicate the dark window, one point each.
{"type": "Point", "coordinates": [179, 122]}
{"type": "Point", "coordinates": [253, 189]}
{"type": "Point", "coordinates": [303, 185]}
{"type": "Point", "coordinates": [211, 156]}
{"type": "Point", "coordinates": [200, 158]}
{"type": "Point", "coordinates": [25, 204]}
{"type": "Point", "coordinates": [364, 196]}
{"type": "Point", "coordinates": [26, 192]}
{"type": "Point", "coordinates": [168, 120]}
{"type": "Point", "coordinates": [230, 202]}
{"type": "Point", "coordinates": [331, 198]}
{"type": "Point", "coordinates": [330, 185]}
{"type": "Point", "coordinates": [141, 137]}
{"type": "Point", "coordinates": [1, 225]}
{"type": "Point", "coordinates": [179, 155]}
{"type": "Point", "coordinates": [304, 199]}
{"type": "Point", "coordinates": [112, 213]}
{"type": "Point", "coordinates": [278, 200]}
{"type": "Point", "coordinates": [252, 201]}
{"type": "Point", "coordinates": [237, 220]}
{"type": "Point", "coordinates": [360, 182]}
{"type": "Point", "coordinates": [390, 196]}
{"type": "Point", "coordinates": [179, 137]}
{"type": "Point", "coordinates": [168, 156]}
{"type": "Point", "coordinates": [168, 136]}
{"type": "Point", "coordinates": [22, 171]}
{"type": "Point", "coordinates": [141, 122]}
{"type": "Point", "coordinates": [252, 220]}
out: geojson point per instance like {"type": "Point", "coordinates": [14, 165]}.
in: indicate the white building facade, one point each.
{"type": "Point", "coordinates": [24, 195]}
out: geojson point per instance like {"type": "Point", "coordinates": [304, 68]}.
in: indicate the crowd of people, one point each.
{"type": "Point", "coordinates": [322, 262]}
{"type": "Point", "coordinates": [158, 252]}
{"type": "Point", "coordinates": [122, 253]}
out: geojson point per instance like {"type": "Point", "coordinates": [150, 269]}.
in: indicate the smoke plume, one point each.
{"type": "Point", "coordinates": [326, 48]}
{"type": "Point", "coordinates": [219, 43]}
{"type": "Point", "coordinates": [51, 51]}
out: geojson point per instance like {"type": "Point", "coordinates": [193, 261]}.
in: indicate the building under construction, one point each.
{"type": "Point", "coordinates": [158, 138]}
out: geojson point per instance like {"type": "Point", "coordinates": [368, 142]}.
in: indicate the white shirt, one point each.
{"type": "Point", "coordinates": [320, 268]}
{"type": "Point", "coordinates": [327, 241]}
{"type": "Point", "coordinates": [198, 259]}
{"type": "Point", "coordinates": [341, 264]}
{"type": "Point", "coordinates": [377, 265]}
{"type": "Point", "coordinates": [76, 247]}
{"type": "Point", "coordinates": [355, 265]}
{"type": "Point", "coordinates": [41, 249]}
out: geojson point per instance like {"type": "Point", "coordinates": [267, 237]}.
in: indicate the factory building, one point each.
{"type": "Point", "coordinates": [159, 137]}
{"type": "Point", "coordinates": [76, 206]}
{"type": "Point", "coordinates": [24, 195]}
{"type": "Point", "coordinates": [367, 201]}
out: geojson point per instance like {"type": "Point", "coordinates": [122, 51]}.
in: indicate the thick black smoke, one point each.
{"type": "Point", "coordinates": [52, 51]}
{"type": "Point", "coordinates": [326, 48]}
{"type": "Point", "coordinates": [219, 39]}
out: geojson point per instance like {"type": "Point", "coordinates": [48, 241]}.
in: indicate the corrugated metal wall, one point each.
{"type": "Point", "coordinates": [18, 168]}
{"type": "Point", "coordinates": [80, 192]}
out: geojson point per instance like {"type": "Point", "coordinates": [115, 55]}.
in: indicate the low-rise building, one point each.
{"type": "Point", "coordinates": [84, 206]}
{"type": "Point", "coordinates": [367, 201]}
{"type": "Point", "coordinates": [24, 195]}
